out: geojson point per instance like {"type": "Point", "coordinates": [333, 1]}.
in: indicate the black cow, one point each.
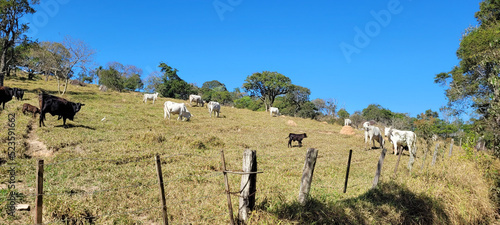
{"type": "Point", "coordinates": [18, 93]}
{"type": "Point", "coordinates": [296, 137]}
{"type": "Point", "coordinates": [57, 106]}
{"type": "Point", "coordinates": [6, 94]}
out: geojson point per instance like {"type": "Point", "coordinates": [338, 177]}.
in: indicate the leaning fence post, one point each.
{"type": "Point", "coordinates": [347, 172]}
{"type": "Point", "coordinates": [379, 168]}
{"type": "Point", "coordinates": [39, 193]}
{"type": "Point", "coordinates": [307, 174]}
{"type": "Point", "coordinates": [228, 192]}
{"type": "Point", "coordinates": [162, 189]}
{"type": "Point", "coordinates": [451, 147]}
{"type": "Point", "coordinates": [248, 185]}
{"type": "Point", "coordinates": [425, 156]}
{"type": "Point", "coordinates": [435, 154]}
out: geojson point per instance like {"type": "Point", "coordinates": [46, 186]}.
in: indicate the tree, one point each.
{"type": "Point", "coordinates": [112, 79]}
{"type": "Point", "coordinates": [133, 83]}
{"type": "Point", "coordinates": [81, 57]}
{"type": "Point", "coordinates": [266, 86]}
{"type": "Point", "coordinates": [11, 29]}
{"type": "Point", "coordinates": [298, 96]}
{"type": "Point", "coordinates": [475, 82]}
{"type": "Point", "coordinates": [343, 114]}
{"type": "Point", "coordinates": [172, 86]}
{"type": "Point", "coordinates": [215, 91]}
{"type": "Point", "coordinates": [377, 113]}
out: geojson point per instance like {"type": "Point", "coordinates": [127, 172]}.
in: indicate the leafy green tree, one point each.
{"type": "Point", "coordinates": [171, 85]}
{"type": "Point", "coordinates": [215, 91]}
{"type": "Point", "coordinates": [377, 113]}
{"type": "Point", "coordinates": [297, 96]}
{"type": "Point", "coordinates": [267, 85]}
{"type": "Point", "coordinates": [247, 102]}
{"type": "Point", "coordinates": [112, 79]}
{"type": "Point", "coordinates": [343, 114]}
{"type": "Point", "coordinates": [133, 83]}
{"type": "Point", "coordinates": [11, 29]}
{"type": "Point", "coordinates": [475, 82]}
{"type": "Point", "coordinates": [308, 110]}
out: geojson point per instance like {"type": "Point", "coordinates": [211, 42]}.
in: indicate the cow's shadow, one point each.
{"type": "Point", "coordinates": [73, 126]}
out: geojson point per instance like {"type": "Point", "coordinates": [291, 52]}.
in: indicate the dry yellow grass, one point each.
{"type": "Point", "coordinates": [103, 172]}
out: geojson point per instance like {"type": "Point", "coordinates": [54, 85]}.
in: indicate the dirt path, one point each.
{"type": "Point", "coordinates": [36, 148]}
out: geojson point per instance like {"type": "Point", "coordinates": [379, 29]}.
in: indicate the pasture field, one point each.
{"type": "Point", "coordinates": [101, 169]}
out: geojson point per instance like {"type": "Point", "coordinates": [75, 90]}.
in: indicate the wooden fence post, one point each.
{"type": "Point", "coordinates": [162, 190]}
{"type": "Point", "coordinates": [39, 193]}
{"type": "Point", "coordinates": [425, 156]}
{"type": "Point", "coordinates": [451, 147]}
{"type": "Point", "coordinates": [435, 154]}
{"type": "Point", "coordinates": [379, 168]}
{"type": "Point", "coordinates": [248, 185]}
{"type": "Point", "coordinates": [228, 192]}
{"type": "Point", "coordinates": [460, 144]}
{"type": "Point", "coordinates": [347, 172]}
{"type": "Point", "coordinates": [307, 174]}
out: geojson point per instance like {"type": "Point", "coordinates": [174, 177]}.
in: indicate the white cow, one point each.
{"type": "Point", "coordinates": [402, 139]}
{"type": "Point", "coordinates": [274, 111]}
{"type": "Point", "coordinates": [373, 133]}
{"type": "Point", "coordinates": [176, 108]}
{"type": "Point", "coordinates": [213, 107]}
{"type": "Point", "coordinates": [347, 122]}
{"type": "Point", "coordinates": [196, 99]}
{"type": "Point", "coordinates": [150, 96]}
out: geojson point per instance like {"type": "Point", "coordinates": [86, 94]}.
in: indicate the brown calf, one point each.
{"type": "Point", "coordinates": [30, 108]}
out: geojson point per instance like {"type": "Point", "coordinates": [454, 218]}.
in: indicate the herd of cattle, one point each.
{"type": "Point", "coordinates": [66, 110]}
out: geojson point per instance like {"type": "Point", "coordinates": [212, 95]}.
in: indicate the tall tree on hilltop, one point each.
{"type": "Point", "coordinates": [11, 29]}
{"type": "Point", "coordinates": [475, 82]}
{"type": "Point", "coordinates": [172, 86]}
{"type": "Point", "coordinates": [267, 85]}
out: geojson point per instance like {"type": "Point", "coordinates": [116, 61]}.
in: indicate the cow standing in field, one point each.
{"type": "Point", "coordinates": [6, 94]}
{"type": "Point", "coordinates": [213, 107]}
{"type": "Point", "coordinates": [296, 137]}
{"type": "Point", "coordinates": [30, 108]}
{"type": "Point", "coordinates": [373, 133]}
{"type": "Point", "coordinates": [176, 108]}
{"type": "Point", "coordinates": [57, 106]}
{"type": "Point", "coordinates": [274, 111]}
{"type": "Point", "coordinates": [196, 99]}
{"type": "Point", "coordinates": [18, 93]}
{"type": "Point", "coordinates": [347, 122]}
{"type": "Point", "coordinates": [400, 139]}
{"type": "Point", "coordinates": [150, 96]}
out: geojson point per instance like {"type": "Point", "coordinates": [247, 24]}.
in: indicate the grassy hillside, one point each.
{"type": "Point", "coordinates": [103, 171]}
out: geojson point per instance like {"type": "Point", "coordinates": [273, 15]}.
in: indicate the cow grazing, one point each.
{"type": "Point", "coordinates": [196, 99]}
{"type": "Point", "coordinates": [176, 108]}
{"type": "Point", "coordinates": [347, 122]}
{"type": "Point", "coordinates": [30, 108]}
{"type": "Point", "coordinates": [213, 107]}
{"type": "Point", "coordinates": [6, 94]}
{"type": "Point", "coordinates": [150, 96]}
{"type": "Point", "coordinates": [274, 111]}
{"type": "Point", "coordinates": [296, 137]}
{"type": "Point", "coordinates": [57, 106]}
{"type": "Point", "coordinates": [373, 133]}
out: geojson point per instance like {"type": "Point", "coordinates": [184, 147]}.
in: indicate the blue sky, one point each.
{"type": "Point", "coordinates": [358, 52]}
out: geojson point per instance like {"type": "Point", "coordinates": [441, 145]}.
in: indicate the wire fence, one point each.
{"type": "Point", "coordinates": [149, 159]}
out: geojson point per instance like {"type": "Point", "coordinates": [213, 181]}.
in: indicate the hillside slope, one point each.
{"type": "Point", "coordinates": [101, 169]}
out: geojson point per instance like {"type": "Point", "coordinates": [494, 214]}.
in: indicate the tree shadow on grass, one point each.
{"type": "Point", "coordinates": [389, 203]}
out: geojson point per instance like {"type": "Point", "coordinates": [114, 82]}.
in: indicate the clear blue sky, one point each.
{"type": "Point", "coordinates": [318, 44]}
